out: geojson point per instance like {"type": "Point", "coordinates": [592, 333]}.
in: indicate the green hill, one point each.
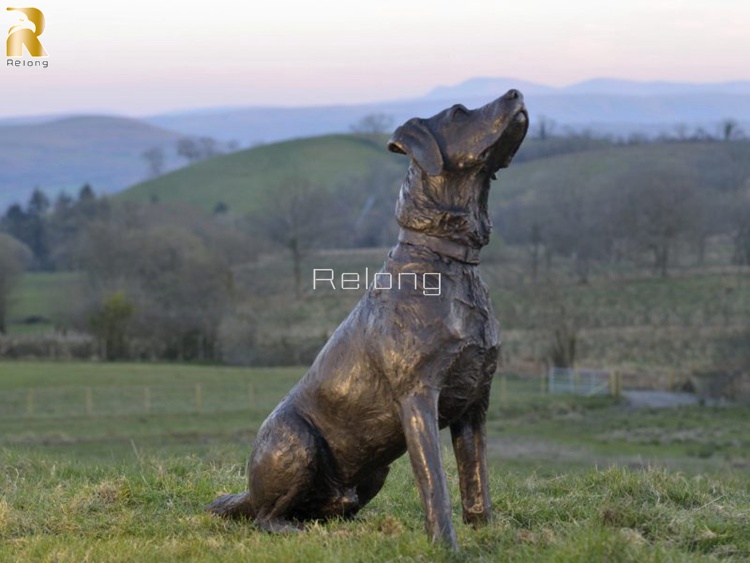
{"type": "Point", "coordinates": [240, 179]}
{"type": "Point", "coordinates": [710, 165]}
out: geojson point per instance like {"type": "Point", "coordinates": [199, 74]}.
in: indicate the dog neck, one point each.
{"type": "Point", "coordinates": [442, 246]}
{"type": "Point", "coordinates": [451, 206]}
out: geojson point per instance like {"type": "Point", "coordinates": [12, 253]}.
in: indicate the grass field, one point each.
{"type": "Point", "coordinates": [42, 300]}
{"type": "Point", "coordinates": [573, 479]}
{"type": "Point", "coordinates": [242, 180]}
{"type": "Point", "coordinates": [631, 321]}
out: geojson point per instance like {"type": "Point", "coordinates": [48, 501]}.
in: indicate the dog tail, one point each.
{"type": "Point", "coordinates": [233, 506]}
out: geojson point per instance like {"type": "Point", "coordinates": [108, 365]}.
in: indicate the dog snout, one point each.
{"type": "Point", "coordinates": [513, 94]}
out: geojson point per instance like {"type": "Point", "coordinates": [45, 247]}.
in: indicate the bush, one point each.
{"type": "Point", "coordinates": [57, 346]}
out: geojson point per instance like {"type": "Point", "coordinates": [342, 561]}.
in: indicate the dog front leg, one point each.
{"type": "Point", "coordinates": [419, 416]}
{"type": "Point", "coordinates": [470, 445]}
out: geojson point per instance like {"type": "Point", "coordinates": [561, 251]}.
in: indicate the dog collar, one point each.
{"type": "Point", "coordinates": [443, 246]}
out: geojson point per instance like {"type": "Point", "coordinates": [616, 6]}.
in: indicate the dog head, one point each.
{"type": "Point", "coordinates": [459, 139]}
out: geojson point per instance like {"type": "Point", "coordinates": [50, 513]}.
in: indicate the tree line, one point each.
{"type": "Point", "coordinates": [192, 149]}
{"type": "Point", "coordinates": [159, 281]}
{"type": "Point", "coordinates": [649, 213]}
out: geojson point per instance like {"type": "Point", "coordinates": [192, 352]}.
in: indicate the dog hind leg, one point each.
{"type": "Point", "coordinates": [366, 490]}
{"type": "Point", "coordinates": [282, 471]}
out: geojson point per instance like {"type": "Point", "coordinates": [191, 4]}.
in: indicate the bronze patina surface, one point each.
{"type": "Point", "coordinates": [403, 364]}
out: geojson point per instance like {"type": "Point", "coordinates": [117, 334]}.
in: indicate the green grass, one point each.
{"type": "Point", "coordinates": [46, 296]}
{"type": "Point", "coordinates": [101, 411]}
{"type": "Point", "coordinates": [715, 166]}
{"type": "Point", "coordinates": [242, 180]}
{"type": "Point", "coordinates": [151, 509]}
{"type": "Point", "coordinates": [637, 323]}
{"type": "Point", "coordinates": [641, 324]}
{"type": "Point", "coordinates": [572, 479]}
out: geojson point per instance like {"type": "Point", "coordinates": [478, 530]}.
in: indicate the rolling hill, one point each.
{"type": "Point", "coordinates": [58, 153]}
{"type": "Point", "coordinates": [240, 179]}
{"type": "Point", "coordinates": [64, 154]}
{"type": "Point", "coordinates": [716, 166]}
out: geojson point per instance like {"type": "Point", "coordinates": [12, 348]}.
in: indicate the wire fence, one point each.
{"type": "Point", "coordinates": [581, 381]}
{"type": "Point", "coordinates": [208, 397]}
{"type": "Point", "coordinates": [131, 400]}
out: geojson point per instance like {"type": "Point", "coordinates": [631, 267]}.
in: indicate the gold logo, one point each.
{"type": "Point", "coordinates": [21, 34]}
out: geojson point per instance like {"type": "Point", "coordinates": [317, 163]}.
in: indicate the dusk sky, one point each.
{"type": "Point", "coordinates": [141, 57]}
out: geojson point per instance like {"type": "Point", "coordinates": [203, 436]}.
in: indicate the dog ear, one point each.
{"type": "Point", "coordinates": [416, 140]}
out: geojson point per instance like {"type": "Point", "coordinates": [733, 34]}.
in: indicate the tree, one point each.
{"type": "Point", "coordinates": [730, 130]}
{"type": "Point", "coordinates": [208, 147]}
{"type": "Point", "coordinates": [544, 127]}
{"type": "Point", "coordinates": [178, 281]}
{"type": "Point", "coordinates": [31, 227]}
{"type": "Point", "coordinates": [189, 149]}
{"type": "Point", "coordinates": [556, 319]}
{"type": "Point", "coordinates": [535, 241]}
{"type": "Point", "coordinates": [155, 160]}
{"type": "Point", "coordinates": [38, 203]}
{"type": "Point", "coordinates": [86, 195]}
{"type": "Point", "coordinates": [681, 132]}
{"type": "Point", "coordinates": [373, 124]}
{"type": "Point", "coordinates": [656, 208]}
{"type": "Point", "coordinates": [12, 257]}
{"type": "Point", "coordinates": [109, 324]}
{"type": "Point", "coordinates": [197, 149]}
{"type": "Point", "coordinates": [63, 204]}
{"type": "Point", "coordinates": [298, 215]}
{"type": "Point", "coordinates": [369, 199]}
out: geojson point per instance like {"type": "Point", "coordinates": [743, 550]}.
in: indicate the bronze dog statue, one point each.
{"type": "Point", "coordinates": [406, 361]}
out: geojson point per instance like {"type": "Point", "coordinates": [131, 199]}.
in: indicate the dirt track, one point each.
{"type": "Point", "coordinates": [658, 399]}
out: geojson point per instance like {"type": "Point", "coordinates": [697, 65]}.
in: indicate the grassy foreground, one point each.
{"type": "Point", "coordinates": [572, 479]}
{"type": "Point", "coordinates": [151, 510]}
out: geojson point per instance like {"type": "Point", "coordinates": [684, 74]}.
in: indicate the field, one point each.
{"type": "Point", "coordinates": [42, 300]}
{"type": "Point", "coordinates": [627, 320]}
{"type": "Point", "coordinates": [541, 172]}
{"type": "Point", "coordinates": [95, 467]}
{"type": "Point", "coordinates": [242, 180]}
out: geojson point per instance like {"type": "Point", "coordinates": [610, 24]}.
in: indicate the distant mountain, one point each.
{"type": "Point", "coordinates": [64, 154]}
{"type": "Point", "coordinates": [487, 88]}
{"type": "Point", "coordinates": [31, 119]}
{"type": "Point", "coordinates": [615, 87]}
{"type": "Point", "coordinates": [604, 106]}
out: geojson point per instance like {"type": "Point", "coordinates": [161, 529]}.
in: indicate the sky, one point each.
{"type": "Point", "coordinates": [141, 57]}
